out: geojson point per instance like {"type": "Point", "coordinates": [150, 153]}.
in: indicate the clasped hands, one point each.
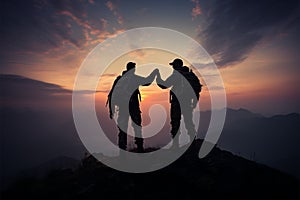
{"type": "Point", "coordinates": [156, 73]}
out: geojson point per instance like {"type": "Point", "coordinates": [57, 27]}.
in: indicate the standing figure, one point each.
{"type": "Point", "coordinates": [124, 97]}
{"type": "Point", "coordinates": [185, 100]}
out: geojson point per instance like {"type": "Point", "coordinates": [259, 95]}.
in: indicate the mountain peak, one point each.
{"type": "Point", "coordinates": [217, 175]}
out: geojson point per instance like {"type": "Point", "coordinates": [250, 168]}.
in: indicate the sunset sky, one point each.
{"type": "Point", "coordinates": [255, 44]}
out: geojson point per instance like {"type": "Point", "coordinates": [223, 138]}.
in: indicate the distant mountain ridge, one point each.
{"type": "Point", "coordinates": [273, 141]}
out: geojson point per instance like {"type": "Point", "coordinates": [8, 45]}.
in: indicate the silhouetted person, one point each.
{"type": "Point", "coordinates": [125, 96]}
{"type": "Point", "coordinates": [188, 98]}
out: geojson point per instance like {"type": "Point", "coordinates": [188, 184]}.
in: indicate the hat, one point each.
{"type": "Point", "coordinates": [130, 65]}
{"type": "Point", "coordinates": [177, 62]}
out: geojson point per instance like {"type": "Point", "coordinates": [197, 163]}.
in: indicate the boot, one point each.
{"type": "Point", "coordinates": [139, 142]}
{"type": "Point", "coordinates": [122, 141]}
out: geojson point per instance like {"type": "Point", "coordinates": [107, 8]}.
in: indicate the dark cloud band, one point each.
{"type": "Point", "coordinates": [234, 27]}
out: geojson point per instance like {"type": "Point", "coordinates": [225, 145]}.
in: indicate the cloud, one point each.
{"type": "Point", "coordinates": [101, 36]}
{"type": "Point", "coordinates": [113, 8]}
{"type": "Point", "coordinates": [103, 91]}
{"type": "Point", "coordinates": [234, 28]}
{"type": "Point", "coordinates": [137, 54]}
{"type": "Point", "coordinates": [8, 80]}
{"type": "Point", "coordinates": [42, 26]}
{"type": "Point", "coordinates": [18, 91]}
{"type": "Point", "coordinates": [37, 26]}
{"type": "Point", "coordinates": [216, 88]}
{"type": "Point", "coordinates": [83, 92]}
{"type": "Point", "coordinates": [91, 1]}
{"type": "Point", "coordinates": [196, 10]}
{"type": "Point", "coordinates": [110, 6]}
{"type": "Point", "coordinates": [109, 75]}
{"type": "Point", "coordinates": [53, 29]}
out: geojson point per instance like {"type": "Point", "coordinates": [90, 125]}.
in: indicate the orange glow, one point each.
{"type": "Point", "coordinates": [252, 84]}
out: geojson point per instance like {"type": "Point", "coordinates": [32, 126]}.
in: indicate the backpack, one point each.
{"type": "Point", "coordinates": [192, 79]}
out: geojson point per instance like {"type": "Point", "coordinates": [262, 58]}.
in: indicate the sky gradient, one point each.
{"type": "Point", "coordinates": [255, 44]}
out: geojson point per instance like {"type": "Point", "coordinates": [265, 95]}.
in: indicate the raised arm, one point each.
{"type": "Point", "coordinates": [148, 80]}
{"type": "Point", "coordinates": [164, 84]}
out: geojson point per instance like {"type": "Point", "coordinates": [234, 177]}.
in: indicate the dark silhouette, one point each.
{"type": "Point", "coordinates": [220, 175]}
{"type": "Point", "coordinates": [188, 99]}
{"type": "Point", "coordinates": [125, 96]}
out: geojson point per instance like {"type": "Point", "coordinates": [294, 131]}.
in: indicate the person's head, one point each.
{"type": "Point", "coordinates": [177, 63]}
{"type": "Point", "coordinates": [130, 66]}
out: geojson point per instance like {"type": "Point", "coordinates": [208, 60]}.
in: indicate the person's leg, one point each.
{"type": "Point", "coordinates": [188, 120]}
{"type": "Point", "coordinates": [139, 141]}
{"type": "Point", "coordinates": [136, 118]}
{"type": "Point", "coordinates": [175, 122]}
{"type": "Point", "coordinates": [123, 125]}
